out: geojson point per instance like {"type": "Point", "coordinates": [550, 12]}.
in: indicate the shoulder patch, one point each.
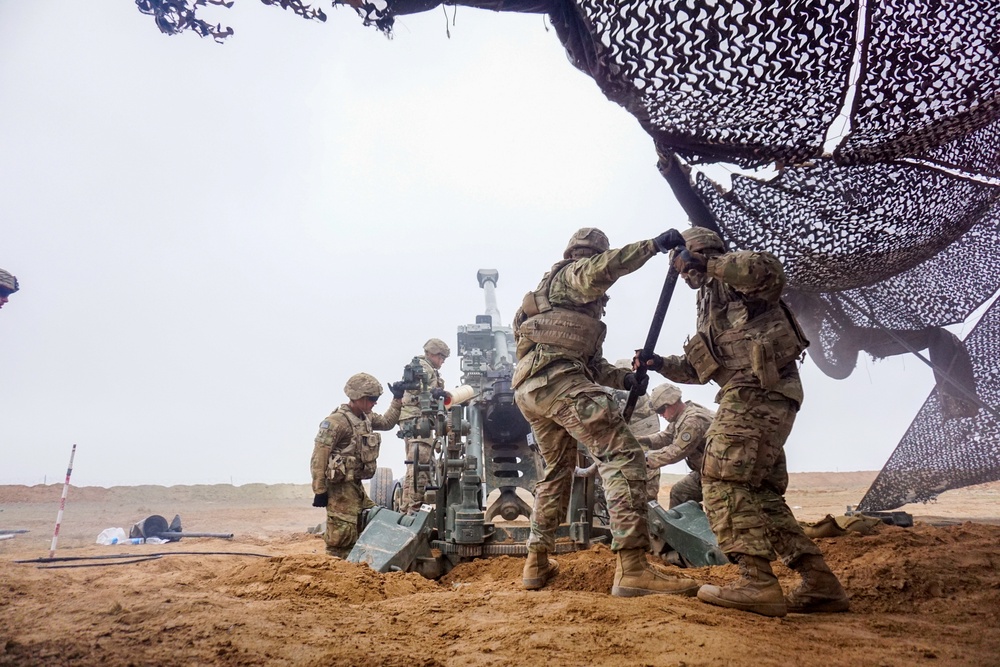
{"type": "Point", "coordinates": [686, 436]}
{"type": "Point", "coordinates": [325, 424]}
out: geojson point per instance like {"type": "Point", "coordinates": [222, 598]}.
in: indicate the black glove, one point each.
{"type": "Point", "coordinates": [632, 378]}
{"type": "Point", "coordinates": [686, 261]}
{"type": "Point", "coordinates": [668, 240]}
{"type": "Point", "coordinates": [653, 362]}
{"type": "Point", "coordinates": [438, 393]}
{"type": "Point", "coordinates": [321, 499]}
{"type": "Point", "coordinates": [397, 390]}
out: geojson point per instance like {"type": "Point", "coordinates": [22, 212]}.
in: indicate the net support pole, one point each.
{"type": "Point", "coordinates": [62, 504]}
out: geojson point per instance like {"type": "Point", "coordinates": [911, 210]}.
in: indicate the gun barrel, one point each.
{"type": "Point", "coordinates": [488, 281]}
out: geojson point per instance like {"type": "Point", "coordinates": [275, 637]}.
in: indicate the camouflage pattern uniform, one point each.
{"type": "Point", "coordinates": [644, 422]}
{"type": "Point", "coordinates": [345, 453]}
{"type": "Point", "coordinates": [559, 385]}
{"type": "Point", "coordinates": [683, 439]}
{"type": "Point", "coordinates": [747, 342]}
{"type": "Point", "coordinates": [421, 448]}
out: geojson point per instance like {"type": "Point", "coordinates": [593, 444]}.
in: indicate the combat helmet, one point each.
{"type": "Point", "coordinates": [664, 395]}
{"type": "Point", "coordinates": [700, 239]}
{"type": "Point", "coordinates": [587, 237]}
{"type": "Point", "coordinates": [361, 385]}
{"type": "Point", "coordinates": [8, 282]}
{"type": "Point", "coordinates": [437, 346]}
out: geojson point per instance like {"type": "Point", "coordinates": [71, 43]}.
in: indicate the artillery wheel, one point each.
{"type": "Point", "coordinates": [397, 495]}
{"type": "Point", "coordinates": [381, 488]}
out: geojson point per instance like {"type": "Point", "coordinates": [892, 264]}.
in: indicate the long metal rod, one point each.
{"type": "Point", "coordinates": [651, 338]}
{"type": "Point", "coordinates": [970, 395]}
{"type": "Point", "coordinates": [62, 503]}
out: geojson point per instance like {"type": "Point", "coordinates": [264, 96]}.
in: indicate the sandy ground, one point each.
{"type": "Point", "coordinates": [929, 594]}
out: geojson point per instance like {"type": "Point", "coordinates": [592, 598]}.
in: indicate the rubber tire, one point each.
{"type": "Point", "coordinates": [380, 487]}
{"type": "Point", "coordinates": [397, 495]}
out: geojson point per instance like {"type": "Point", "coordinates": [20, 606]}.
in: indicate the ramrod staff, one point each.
{"type": "Point", "coordinates": [651, 338]}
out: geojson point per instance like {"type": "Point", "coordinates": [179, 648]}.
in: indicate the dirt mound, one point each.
{"type": "Point", "coordinates": [319, 576]}
{"type": "Point", "coordinates": [924, 567]}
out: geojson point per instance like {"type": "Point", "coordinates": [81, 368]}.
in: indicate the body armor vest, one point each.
{"type": "Point", "coordinates": [764, 345]}
{"type": "Point", "coordinates": [577, 328]}
{"type": "Point", "coordinates": [357, 459]}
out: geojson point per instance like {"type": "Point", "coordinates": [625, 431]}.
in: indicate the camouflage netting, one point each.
{"type": "Point", "coordinates": [859, 141]}
{"type": "Point", "coordinates": [938, 454]}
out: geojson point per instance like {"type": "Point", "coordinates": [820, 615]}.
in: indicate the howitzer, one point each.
{"type": "Point", "coordinates": [483, 455]}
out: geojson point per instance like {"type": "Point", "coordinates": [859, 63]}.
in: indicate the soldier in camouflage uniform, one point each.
{"type": "Point", "coordinates": [748, 342]}
{"type": "Point", "coordinates": [559, 385]}
{"type": "Point", "coordinates": [8, 285]}
{"type": "Point", "coordinates": [345, 453]}
{"type": "Point", "coordinates": [421, 449]}
{"type": "Point", "coordinates": [682, 440]}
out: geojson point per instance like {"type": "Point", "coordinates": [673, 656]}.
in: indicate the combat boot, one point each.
{"type": "Point", "coordinates": [634, 577]}
{"type": "Point", "coordinates": [757, 590]}
{"type": "Point", "coordinates": [819, 590]}
{"type": "Point", "coordinates": [539, 569]}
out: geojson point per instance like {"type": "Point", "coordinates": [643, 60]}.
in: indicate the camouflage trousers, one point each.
{"type": "Point", "coordinates": [653, 483]}
{"type": "Point", "coordinates": [744, 476]}
{"type": "Point", "coordinates": [413, 498]}
{"type": "Point", "coordinates": [689, 488]}
{"type": "Point", "coordinates": [581, 411]}
{"type": "Point", "coordinates": [347, 500]}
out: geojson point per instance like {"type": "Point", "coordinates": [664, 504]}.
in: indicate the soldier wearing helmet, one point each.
{"type": "Point", "coordinates": [345, 453]}
{"type": "Point", "coordinates": [748, 342]}
{"type": "Point", "coordinates": [8, 285]}
{"type": "Point", "coordinates": [436, 351]}
{"type": "Point", "coordinates": [560, 386]}
{"type": "Point", "coordinates": [682, 440]}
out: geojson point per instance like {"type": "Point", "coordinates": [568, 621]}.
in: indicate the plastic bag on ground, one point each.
{"type": "Point", "coordinates": [112, 536]}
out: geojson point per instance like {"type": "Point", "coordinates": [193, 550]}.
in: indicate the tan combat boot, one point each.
{"type": "Point", "coordinates": [757, 590]}
{"type": "Point", "coordinates": [538, 570]}
{"type": "Point", "coordinates": [635, 577]}
{"type": "Point", "coordinates": [819, 590]}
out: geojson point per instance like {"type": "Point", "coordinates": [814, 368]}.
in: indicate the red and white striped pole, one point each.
{"type": "Point", "coordinates": [62, 504]}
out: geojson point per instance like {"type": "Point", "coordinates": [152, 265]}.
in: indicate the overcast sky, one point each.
{"type": "Point", "coordinates": [212, 238]}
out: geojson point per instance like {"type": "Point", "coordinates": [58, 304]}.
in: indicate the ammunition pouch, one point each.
{"type": "Point", "coordinates": [765, 345]}
{"type": "Point", "coordinates": [358, 462]}
{"type": "Point", "coordinates": [534, 303]}
{"type": "Point", "coordinates": [370, 445]}
{"type": "Point", "coordinates": [698, 351]}
{"type": "Point", "coordinates": [341, 468]}
{"type": "Point", "coordinates": [563, 328]}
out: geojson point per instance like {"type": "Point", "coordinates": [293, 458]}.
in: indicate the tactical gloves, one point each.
{"type": "Point", "coordinates": [653, 362]}
{"type": "Point", "coordinates": [631, 379]}
{"type": "Point", "coordinates": [668, 240]}
{"type": "Point", "coordinates": [686, 261]}
{"type": "Point", "coordinates": [321, 499]}
{"type": "Point", "coordinates": [397, 390]}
